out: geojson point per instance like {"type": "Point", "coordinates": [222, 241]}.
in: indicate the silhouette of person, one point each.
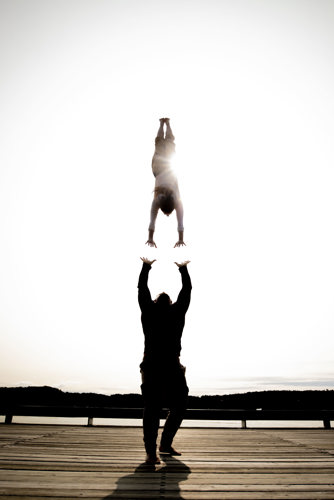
{"type": "Point", "coordinates": [163, 377]}
{"type": "Point", "coordinates": [166, 190]}
{"type": "Point", "coordinates": [159, 481]}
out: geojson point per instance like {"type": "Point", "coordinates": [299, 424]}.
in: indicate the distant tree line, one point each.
{"type": "Point", "coordinates": [267, 400]}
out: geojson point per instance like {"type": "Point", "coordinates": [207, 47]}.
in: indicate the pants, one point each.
{"type": "Point", "coordinates": [162, 388]}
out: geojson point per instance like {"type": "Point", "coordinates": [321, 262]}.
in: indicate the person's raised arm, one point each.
{"type": "Point", "coordinates": [183, 299]}
{"type": "Point", "coordinates": [144, 294]}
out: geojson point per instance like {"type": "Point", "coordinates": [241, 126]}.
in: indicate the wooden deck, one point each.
{"type": "Point", "coordinates": [65, 462]}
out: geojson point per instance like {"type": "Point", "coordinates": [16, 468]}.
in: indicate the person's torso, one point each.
{"type": "Point", "coordinates": [163, 331]}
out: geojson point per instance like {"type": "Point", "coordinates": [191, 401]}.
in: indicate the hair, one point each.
{"type": "Point", "coordinates": [163, 299]}
{"type": "Point", "coordinates": [166, 198]}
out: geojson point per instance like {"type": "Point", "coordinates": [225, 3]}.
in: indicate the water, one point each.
{"type": "Point", "coordinates": [231, 424]}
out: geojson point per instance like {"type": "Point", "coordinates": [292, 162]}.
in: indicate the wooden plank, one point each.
{"type": "Point", "coordinates": [61, 462]}
{"type": "Point", "coordinates": [201, 480]}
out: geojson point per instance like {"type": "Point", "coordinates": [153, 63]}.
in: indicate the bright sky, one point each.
{"type": "Point", "coordinates": [249, 88]}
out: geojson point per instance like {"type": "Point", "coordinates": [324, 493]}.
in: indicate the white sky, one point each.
{"type": "Point", "coordinates": [249, 88]}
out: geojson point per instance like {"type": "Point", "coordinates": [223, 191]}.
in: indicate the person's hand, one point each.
{"type": "Point", "coordinates": [182, 263]}
{"type": "Point", "coordinates": [150, 262]}
{"type": "Point", "coordinates": [151, 243]}
{"type": "Point", "coordinates": [179, 244]}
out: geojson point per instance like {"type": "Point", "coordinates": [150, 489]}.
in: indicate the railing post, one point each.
{"type": "Point", "coordinates": [90, 421]}
{"type": "Point", "coordinates": [327, 423]}
{"type": "Point", "coordinates": [8, 419]}
{"type": "Point", "coordinates": [243, 424]}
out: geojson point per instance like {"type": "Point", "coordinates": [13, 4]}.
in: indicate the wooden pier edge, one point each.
{"type": "Point", "coordinates": [191, 414]}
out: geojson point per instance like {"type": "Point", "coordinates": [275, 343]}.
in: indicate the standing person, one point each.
{"type": "Point", "coordinates": [166, 190]}
{"type": "Point", "coordinates": [163, 377]}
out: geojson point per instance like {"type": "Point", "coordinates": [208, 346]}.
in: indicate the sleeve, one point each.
{"type": "Point", "coordinates": [183, 299]}
{"type": "Point", "coordinates": [144, 294]}
{"type": "Point", "coordinates": [154, 213]}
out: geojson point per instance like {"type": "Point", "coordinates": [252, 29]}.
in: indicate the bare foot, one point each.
{"type": "Point", "coordinates": [169, 450]}
{"type": "Point", "coordinates": [152, 459]}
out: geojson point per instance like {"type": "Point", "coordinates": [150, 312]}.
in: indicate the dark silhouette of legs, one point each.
{"type": "Point", "coordinates": [151, 423]}
{"type": "Point", "coordinates": [172, 424]}
{"type": "Point", "coordinates": [168, 390]}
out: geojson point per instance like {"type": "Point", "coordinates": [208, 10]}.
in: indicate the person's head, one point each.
{"type": "Point", "coordinates": [166, 201]}
{"type": "Point", "coordinates": [163, 300]}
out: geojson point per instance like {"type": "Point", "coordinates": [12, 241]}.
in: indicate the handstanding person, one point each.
{"type": "Point", "coordinates": [163, 377]}
{"type": "Point", "coordinates": [166, 190]}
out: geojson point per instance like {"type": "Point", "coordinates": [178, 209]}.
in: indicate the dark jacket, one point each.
{"type": "Point", "coordinates": [163, 325]}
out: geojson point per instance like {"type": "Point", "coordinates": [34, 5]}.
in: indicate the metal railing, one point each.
{"type": "Point", "coordinates": [243, 416]}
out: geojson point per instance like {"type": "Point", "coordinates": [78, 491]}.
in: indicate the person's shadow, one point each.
{"type": "Point", "coordinates": [157, 481]}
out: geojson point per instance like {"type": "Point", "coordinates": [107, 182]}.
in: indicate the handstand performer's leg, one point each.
{"type": "Point", "coordinates": [160, 132]}
{"type": "Point", "coordinates": [169, 133]}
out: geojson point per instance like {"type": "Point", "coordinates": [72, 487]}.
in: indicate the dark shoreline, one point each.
{"type": "Point", "coordinates": [266, 400]}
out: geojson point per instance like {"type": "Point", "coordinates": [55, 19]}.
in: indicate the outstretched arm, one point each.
{"type": "Point", "coordinates": [151, 228]}
{"type": "Point", "coordinates": [179, 216]}
{"type": "Point", "coordinates": [184, 296]}
{"type": "Point", "coordinates": [144, 294]}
